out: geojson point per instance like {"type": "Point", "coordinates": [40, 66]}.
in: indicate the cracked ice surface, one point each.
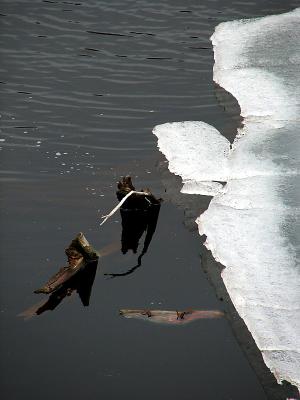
{"type": "Point", "coordinates": [252, 224]}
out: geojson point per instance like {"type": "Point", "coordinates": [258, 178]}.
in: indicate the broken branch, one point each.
{"type": "Point", "coordinates": [121, 203]}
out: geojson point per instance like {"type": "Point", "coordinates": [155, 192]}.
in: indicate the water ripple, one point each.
{"type": "Point", "coordinates": [105, 72]}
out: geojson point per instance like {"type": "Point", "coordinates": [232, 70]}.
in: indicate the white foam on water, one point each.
{"type": "Point", "coordinates": [252, 224]}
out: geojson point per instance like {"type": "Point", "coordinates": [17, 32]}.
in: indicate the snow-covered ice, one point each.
{"type": "Point", "coordinates": [252, 223]}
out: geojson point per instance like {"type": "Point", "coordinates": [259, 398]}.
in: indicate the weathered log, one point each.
{"type": "Point", "coordinates": [138, 217]}
{"type": "Point", "coordinates": [171, 317]}
{"type": "Point", "coordinates": [79, 254]}
{"type": "Point", "coordinates": [141, 200]}
{"type": "Point", "coordinates": [139, 214]}
{"type": "Point", "coordinates": [80, 283]}
{"type": "Point", "coordinates": [130, 199]}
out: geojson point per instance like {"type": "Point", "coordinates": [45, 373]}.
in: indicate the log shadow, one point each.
{"type": "Point", "coordinates": [134, 224]}
{"type": "Point", "coordinates": [139, 216]}
{"type": "Point", "coordinates": [78, 276]}
{"type": "Point", "coordinates": [81, 283]}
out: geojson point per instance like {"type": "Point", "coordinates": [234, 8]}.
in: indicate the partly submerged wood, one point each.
{"type": "Point", "coordinates": [80, 283]}
{"type": "Point", "coordinates": [130, 199]}
{"type": "Point", "coordinates": [80, 253]}
{"type": "Point", "coordinates": [141, 200]}
{"type": "Point", "coordinates": [171, 317]}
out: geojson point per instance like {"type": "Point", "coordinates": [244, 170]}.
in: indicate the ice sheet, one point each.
{"type": "Point", "coordinates": [197, 152]}
{"type": "Point", "coordinates": [252, 224]}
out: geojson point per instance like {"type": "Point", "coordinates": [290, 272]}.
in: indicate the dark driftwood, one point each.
{"type": "Point", "coordinates": [130, 199]}
{"type": "Point", "coordinates": [142, 200]}
{"type": "Point", "coordinates": [79, 254]}
{"type": "Point", "coordinates": [139, 215]}
{"type": "Point", "coordinates": [171, 317]}
{"type": "Point", "coordinates": [80, 283]}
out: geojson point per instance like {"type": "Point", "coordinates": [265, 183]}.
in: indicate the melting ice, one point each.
{"type": "Point", "coordinates": [252, 224]}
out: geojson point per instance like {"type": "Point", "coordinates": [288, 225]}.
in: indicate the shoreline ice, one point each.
{"type": "Point", "coordinates": [252, 223]}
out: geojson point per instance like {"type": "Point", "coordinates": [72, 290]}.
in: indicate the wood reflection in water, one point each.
{"type": "Point", "coordinates": [171, 317]}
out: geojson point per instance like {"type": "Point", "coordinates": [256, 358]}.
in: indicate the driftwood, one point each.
{"type": "Point", "coordinates": [141, 200]}
{"type": "Point", "coordinates": [134, 224]}
{"type": "Point", "coordinates": [130, 199]}
{"type": "Point", "coordinates": [171, 317]}
{"type": "Point", "coordinates": [79, 254]}
{"type": "Point", "coordinates": [80, 283]}
{"type": "Point", "coordinates": [139, 215]}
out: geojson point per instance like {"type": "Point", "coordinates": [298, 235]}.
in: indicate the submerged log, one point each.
{"type": "Point", "coordinates": [171, 317]}
{"type": "Point", "coordinates": [79, 254]}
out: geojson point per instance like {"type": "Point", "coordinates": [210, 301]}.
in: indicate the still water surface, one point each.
{"type": "Point", "coordinates": [83, 84]}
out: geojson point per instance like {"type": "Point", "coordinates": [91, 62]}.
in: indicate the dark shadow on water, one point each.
{"type": "Point", "coordinates": [81, 283]}
{"type": "Point", "coordinates": [139, 214]}
{"type": "Point", "coordinates": [193, 206]}
{"type": "Point", "coordinates": [134, 224]}
{"type": "Point", "coordinates": [229, 104]}
{"type": "Point", "coordinates": [273, 390]}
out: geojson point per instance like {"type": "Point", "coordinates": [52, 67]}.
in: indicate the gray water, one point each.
{"type": "Point", "coordinates": [83, 84]}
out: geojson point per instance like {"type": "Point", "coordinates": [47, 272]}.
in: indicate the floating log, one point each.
{"type": "Point", "coordinates": [79, 254]}
{"type": "Point", "coordinates": [171, 317]}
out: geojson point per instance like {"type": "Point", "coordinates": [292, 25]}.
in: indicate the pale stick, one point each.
{"type": "Point", "coordinates": [120, 204]}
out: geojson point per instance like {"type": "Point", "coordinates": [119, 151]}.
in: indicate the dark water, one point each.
{"type": "Point", "coordinates": [83, 84]}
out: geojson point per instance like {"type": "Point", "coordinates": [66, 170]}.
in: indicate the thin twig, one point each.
{"type": "Point", "coordinates": [120, 204]}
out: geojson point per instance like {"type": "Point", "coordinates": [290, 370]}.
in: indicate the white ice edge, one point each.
{"type": "Point", "coordinates": [251, 223]}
